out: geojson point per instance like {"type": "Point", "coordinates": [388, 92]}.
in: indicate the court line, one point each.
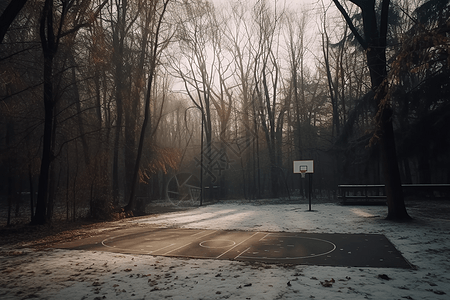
{"type": "Point", "coordinates": [162, 248]}
{"type": "Point", "coordinates": [234, 243]}
{"type": "Point", "coordinates": [237, 244]}
{"type": "Point", "coordinates": [110, 239]}
{"type": "Point", "coordinates": [208, 233]}
{"type": "Point", "coordinates": [300, 257]}
{"type": "Point", "coordinates": [263, 237]}
{"type": "Point", "coordinates": [198, 232]}
{"type": "Point", "coordinates": [242, 252]}
{"type": "Point", "coordinates": [176, 249]}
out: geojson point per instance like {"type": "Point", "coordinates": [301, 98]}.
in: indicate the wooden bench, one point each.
{"type": "Point", "coordinates": [368, 194]}
{"type": "Point", "coordinates": [374, 194]}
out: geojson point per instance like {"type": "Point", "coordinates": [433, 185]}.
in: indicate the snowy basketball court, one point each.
{"type": "Point", "coordinates": [112, 274]}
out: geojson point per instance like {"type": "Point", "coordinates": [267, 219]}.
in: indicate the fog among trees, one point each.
{"type": "Point", "coordinates": [107, 106]}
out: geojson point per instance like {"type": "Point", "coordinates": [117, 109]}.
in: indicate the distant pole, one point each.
{"type": "Point", "coordinates": [310, 189]}
{"type": "Point", "coordinates": [201, 165]}
{"type": "Point", "coordinates": [305, 167]}
{"type": "Point", "coordinates": [201, 152]}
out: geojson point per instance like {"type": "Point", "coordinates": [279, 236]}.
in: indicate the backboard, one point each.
{"type": "Point", "coordinates": [303, 166]}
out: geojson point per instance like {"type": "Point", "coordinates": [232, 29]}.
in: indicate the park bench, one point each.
{"type": "Point", "coordinates": [374, 194]}
{"type": "Point", "coordinates": [368, 194]}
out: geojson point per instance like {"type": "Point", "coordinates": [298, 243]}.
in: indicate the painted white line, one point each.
{"type": "Point", "coordinates": [162, 248]}
{"type": "Point", "coordinates": [176, 249]}
{"type": "Point", "coordinates": [221, 243]}
{"type": "Point", "coordinates": [242, 252]}
{"type": "Point", "coordinates": [109, 239]}
{"type": "Point", "coordinates": [333, 246]}
{"type": "Point", "coordinates": [264, 237]}
{"type": "Point", "coordinates": [207, 233]}
{"type": "Point", "coordinates": [200, 232]}
{"type": "Point", "coordinates": [237, 245]}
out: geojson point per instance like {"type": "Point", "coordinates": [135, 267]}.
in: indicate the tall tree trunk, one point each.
{"type": "Point", "coordinates": [30, 180]}
{"type": "Point", "coordinates": [148, 96]}
{"type": "Point", "coordinates": [331, 86]}
{"type": "Point", "coordinates": [77, 100]}
{"type": "Point", "coordinates": [374, 44]}
{"type": "Point", "coordinates": [376, 60]}
{"type": "Point", "coordinates": [9, 14]}
{"type": "Point", "coordinates": [10, 167]}
{"type": "Point", "coordinates": [49, 47]}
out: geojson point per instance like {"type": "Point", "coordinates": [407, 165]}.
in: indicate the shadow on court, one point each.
{"type": "Point", "coordinates": [349, 250]}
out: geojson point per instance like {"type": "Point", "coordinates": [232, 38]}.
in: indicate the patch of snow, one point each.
{"type": "Point", "coordinates": [76, 274]}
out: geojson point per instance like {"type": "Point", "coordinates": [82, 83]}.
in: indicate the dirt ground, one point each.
{"type": "Point", "coordinates": [24, 235]}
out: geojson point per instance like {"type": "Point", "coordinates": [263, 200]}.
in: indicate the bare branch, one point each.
{"type": "Point", "coordinates": [360, 39]}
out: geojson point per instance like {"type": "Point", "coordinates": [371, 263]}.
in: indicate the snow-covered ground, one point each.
{"type": "Point", "coordinates": [70, 274]}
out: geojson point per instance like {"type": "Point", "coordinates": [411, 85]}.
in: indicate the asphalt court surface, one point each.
{"type": "Point", "coordinates": [352, 250]}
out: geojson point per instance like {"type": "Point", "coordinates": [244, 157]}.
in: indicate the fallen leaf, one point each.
{"type": "Point", "coordinates": [327, 283]}
{"type": "Point", "coordinates": [384, 277]}
{"type": "Point", "coordinates": [439, 292]}
{"type": "Point", "coordinates": [347, 278]}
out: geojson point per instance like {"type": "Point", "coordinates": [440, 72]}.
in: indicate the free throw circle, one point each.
{"type": "Point", "coordinates": [217, 243]}
{"type": "Point", "coordinates": [289, 247]}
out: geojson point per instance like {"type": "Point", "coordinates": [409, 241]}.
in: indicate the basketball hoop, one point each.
{"type": "Point", "coordinates": [303, 167]}
{"type": "Point", "coordinates": [303, 170]}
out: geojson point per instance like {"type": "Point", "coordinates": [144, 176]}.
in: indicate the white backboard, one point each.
{"type": "Point", "coordinates": [307, 165]}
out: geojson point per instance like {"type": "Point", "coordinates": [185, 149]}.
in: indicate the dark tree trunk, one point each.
{"type": "Point", "coordinates": [47, 156]}
{"type": "Point", "coordinates": [393, 184]}
{"type": "Point", "coordinates": [119, 32]}
{"type": "Point", "coordinates": [376, 60]}
{"type": "Point", "coordinates": [49, 47]}
{"type": "Point", "coordinates": [147, 116]}
{"type": "Point", "coordinates": [10, 165]}
{"type": "Point", "coordinates": [8, 16]}
{"type": "Point", "coordinates": [30, 180]}
{"type": "Point", "coordinates": [115, 171]}
{"type": "Point", "coordinates": [374, 44]}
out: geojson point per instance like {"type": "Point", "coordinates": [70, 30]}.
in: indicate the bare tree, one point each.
{"type": "Point", "coordinates": [267, 78]}
{"type": "Point", "coordinates": [9, 14]}
{"type": "Point", "coordinates": [50, 41]}
{"type": "Point", "coordinates": [155, 18]}
{"type": "Point", "coordinates": [296, 43]}
{"type": "Point", "coordinates": [239, 42]}
{"type": "Point", "coordinates": [195, 66]}
{"type": "Point", "coordinates": [374, 43]}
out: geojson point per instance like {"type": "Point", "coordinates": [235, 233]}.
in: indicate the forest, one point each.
{"type": "Point", "coordinates": [107, 105]}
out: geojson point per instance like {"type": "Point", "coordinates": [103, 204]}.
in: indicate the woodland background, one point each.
{"type": "Point", "coordinates": [105, 102]}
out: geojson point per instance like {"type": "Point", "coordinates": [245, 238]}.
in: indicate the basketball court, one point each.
{"type": "Point", "coordinates": [350, 250]}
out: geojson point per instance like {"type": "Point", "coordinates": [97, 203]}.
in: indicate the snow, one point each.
{"type": "Point", "coordinates": [74, 274]}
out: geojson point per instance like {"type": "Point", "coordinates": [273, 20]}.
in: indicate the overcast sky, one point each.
{"type": "Point", "coordinates": [288, 2]}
